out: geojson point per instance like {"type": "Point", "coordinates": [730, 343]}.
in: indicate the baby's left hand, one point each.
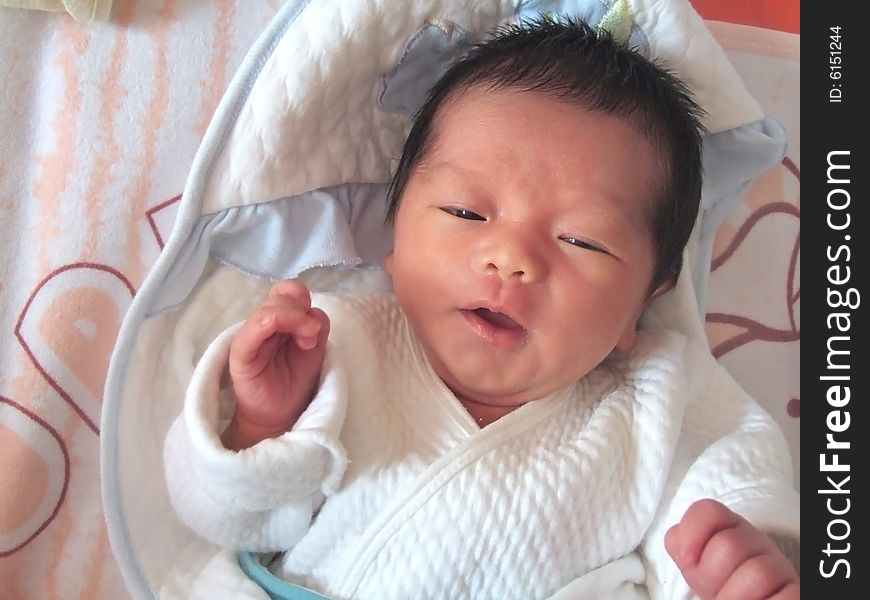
{"type": "Point", "coordinates": [723, 556]}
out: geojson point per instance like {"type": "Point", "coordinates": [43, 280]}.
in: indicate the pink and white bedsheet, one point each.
{"type": "Point", "coordinates": [98, 126]}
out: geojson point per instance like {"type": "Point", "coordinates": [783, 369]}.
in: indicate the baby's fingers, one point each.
{"type": "Point", "coordinates": [255, 338]}
{"type": "Point", "coordinates": [723, 555]}
{"type": "Point", "coordinates": [285, 297]}
{"type": "Point", "coordinates": [765, 576]}
{"type": "Point", "coordinates": [290, 289]}
{"type": "Point", "coordinates": [323, 318]}
{"type": "Point", "coordinates": [685, 541]}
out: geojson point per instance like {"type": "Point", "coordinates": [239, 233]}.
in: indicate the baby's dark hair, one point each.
{"type": "Point", "coordinates": [570, 60]}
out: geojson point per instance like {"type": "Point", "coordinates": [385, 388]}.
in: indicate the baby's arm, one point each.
{"type": "Point", "coordinates": [261, 497]}
{"type": "Point", "coordinates": [275, 359]}
{"type": "Point", "coordinates": [721, 555]}
{"type": "Point", "coordinates": [731, 451]}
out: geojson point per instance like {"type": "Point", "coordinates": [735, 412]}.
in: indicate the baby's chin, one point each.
{"type": "Point", "coordinates": [491, 389]}
{"type": "Point", "coordinates": [497, 378]}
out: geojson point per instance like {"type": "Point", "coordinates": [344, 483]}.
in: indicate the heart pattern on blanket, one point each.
{"type": "Point", "coordinates": [68, 328]}
{"type": "Point", "coordinates": [767, 331]}
{"type": "Point", "coordinates": [762, 232]}
{"type": "Point", "coordinates": [161, 217]}
{"type": "Point", "coordinates": [35, 463]}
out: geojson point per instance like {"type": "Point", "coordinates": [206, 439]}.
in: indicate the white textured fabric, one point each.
{"type": "Point", "coordinates": [82, 10]}
{"type": "Point", "coordinates": [427, 505]}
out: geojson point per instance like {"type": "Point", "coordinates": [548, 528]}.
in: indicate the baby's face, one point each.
{"type": "Point", "coordinates": [523, 249]}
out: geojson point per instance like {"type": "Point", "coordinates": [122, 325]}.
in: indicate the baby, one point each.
{"type": "Point", "coordinates": [498, 428]}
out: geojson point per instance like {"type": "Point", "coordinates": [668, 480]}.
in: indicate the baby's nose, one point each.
{"type": "Point", "coordinates": [513, 260]}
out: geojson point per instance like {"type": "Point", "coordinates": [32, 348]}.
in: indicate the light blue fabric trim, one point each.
{"type": "Point", "coordinates": [336, 226]}
{"type": "Point", "coordinates": [426, 57]}
{"type": "Point", "coordinates": [732, 160]}
{"type": "Point", "coordinates": [276, 588]}
{"type": "Point", "coordinates": [225, 117]}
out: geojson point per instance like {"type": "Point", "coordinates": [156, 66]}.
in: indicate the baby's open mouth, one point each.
{"type": "Point", "coordinates": [498, 319]}
{"type": "Point", "coordinates": [496, 328]}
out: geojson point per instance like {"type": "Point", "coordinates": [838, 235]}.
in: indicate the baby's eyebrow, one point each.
{"type": "Point", "coordinates": [426, 168]}
{"type": "Point", "coordinates": [606, 211]}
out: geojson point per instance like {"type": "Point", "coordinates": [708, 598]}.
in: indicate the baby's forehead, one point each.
{"type": "Point", "coordinates": [481, 104]}
{"type": "Point", "coordinates": [466, 149]}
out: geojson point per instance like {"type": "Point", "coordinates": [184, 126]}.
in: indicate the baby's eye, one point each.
{"type": "Point", "coordinates": [580, 243]}
{"type": "Point", "coordinates": [462, 213]}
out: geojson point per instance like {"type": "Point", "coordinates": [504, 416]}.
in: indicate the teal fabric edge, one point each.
{"type": "Point", "coordinates": [276, 588]}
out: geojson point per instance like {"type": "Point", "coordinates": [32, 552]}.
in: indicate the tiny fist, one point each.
{"type": "Point", "coordinates": [685, 541]}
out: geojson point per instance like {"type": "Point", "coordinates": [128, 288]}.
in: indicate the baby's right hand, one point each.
{"type": "Point", "coordinates": [275, 361]}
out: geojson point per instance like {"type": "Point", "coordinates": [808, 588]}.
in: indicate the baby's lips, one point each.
{"type": "Point", "coordinates": [498, 318]}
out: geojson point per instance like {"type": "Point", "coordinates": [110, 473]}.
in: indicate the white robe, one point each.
{"type": "Point", "coordinates": [386, 487]}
